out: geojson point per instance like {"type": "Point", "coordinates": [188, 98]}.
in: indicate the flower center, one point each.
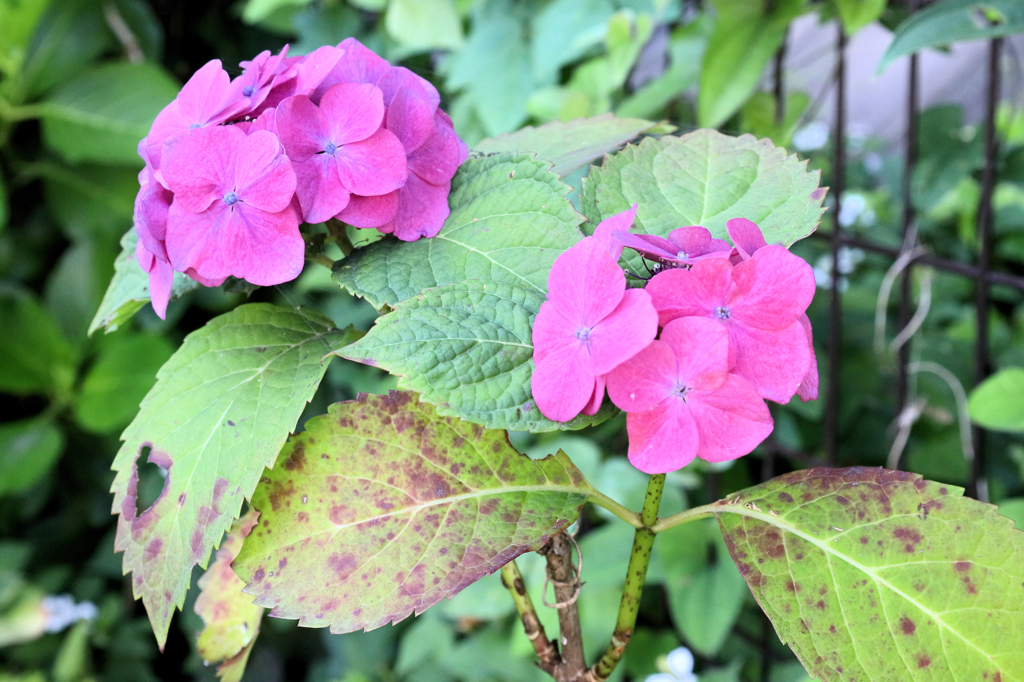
{"type": "Point", "coordinates": [247, 91]}
{"type": "Point", "coordinates": [680, 391]}
{"type": "Point", "coordinates": [193, 126]}
{"type": "Point", "coordinates": [230, 198]}
{"type": "Point", "coordinates": [583, 334]}
{"type": "Point", "coordinates": [682, 255]}
{"type": "Point", "coordinates": [722, 313]}
{"type": "Point", "coordinates": [330, 148]}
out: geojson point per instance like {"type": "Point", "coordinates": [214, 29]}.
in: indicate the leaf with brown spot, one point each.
{"type": "Point", "coordinates": [871, 574]}
{"type": "Point", "coordinates": [382, 507]}
{"type": "Point", "coordinates": [231, 621]}
{"type": "Point", "coordinates": [219, 413]}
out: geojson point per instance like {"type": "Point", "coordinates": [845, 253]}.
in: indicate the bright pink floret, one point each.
{"type": "Point", "coordinates": [684, 246]}
{"type": "Point", "coordinates": [682, 401]}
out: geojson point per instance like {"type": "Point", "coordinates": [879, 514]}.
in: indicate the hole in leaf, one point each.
{"type": "Point", "coordinates": [152, 478]}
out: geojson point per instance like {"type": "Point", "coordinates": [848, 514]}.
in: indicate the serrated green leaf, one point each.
{"type": "Point", "coordinates": [128, 291]}
{"type": "Point", "coordinates": [231, 621]}
{"type": "Point", "coordinates": [998, 402]}
{"type": "Point", "coordinates": [383, 507]}
{"type": "Point", "coordinates": [509, 221]}
{"type": "Point", "coordinates": [221, 409]}
{"type": "Point", "coordinates": [28, 449]}
{"type": "Point", "coordinates": [706, 178]}
{"type": "Point", "coordinates": [101, 115]}
{"type": "Point", "coordinates": [468, 348]}
{"type": "Point", "coordinates": [570, 145]}
{"type": "Point", "coordinates": [954, 21]}
{"type": "Point", "coordinates": [880, 575]}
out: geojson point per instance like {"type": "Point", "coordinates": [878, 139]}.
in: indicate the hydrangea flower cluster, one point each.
{"type": "Point", "coordinates": [734, 333]}
{"type": "Point", "coordinates": [233, 167]}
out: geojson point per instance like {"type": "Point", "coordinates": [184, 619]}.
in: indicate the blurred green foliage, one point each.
{"type": "Point", "coordinates": [80, 80]}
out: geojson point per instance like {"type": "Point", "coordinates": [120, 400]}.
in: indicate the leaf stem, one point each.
{"type": "Point", "coordinates": [636, 574]}
{"type": "Point", "coordinates": [320, 259]}
{"type": "Point", "coordinates": [687, 516]}
{"type": "Point", "coordinates": [547, 654]}
{"type": "Point", "coordinates": [602, 500]}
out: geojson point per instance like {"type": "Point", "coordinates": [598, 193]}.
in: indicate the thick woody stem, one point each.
{"type": "Point", "coordinates": [636, 574]}
{"type": "Point", "coordinates": [547, 653]}
{"type": "Point", "coordinates": [562, 573]}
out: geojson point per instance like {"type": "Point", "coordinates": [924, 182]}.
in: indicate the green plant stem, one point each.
{"type": "Point", "coordinates": [687, 516]}
{"type": "Point", "coordinates": [602, 500]}
{"type": "Point", "coordinates": [14, 113]}
{"type": "Point", "coordinates": [636, 574]}
{"type": "Point", "coordinates": [548, 657]}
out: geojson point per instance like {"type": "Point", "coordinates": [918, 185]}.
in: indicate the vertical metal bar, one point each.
{"type": "Point", "coordinates": [835, 303]}
{"type": "Point", "coordinates": [780, 80]}
{"type": "Point", "coordinates": [979, 486]}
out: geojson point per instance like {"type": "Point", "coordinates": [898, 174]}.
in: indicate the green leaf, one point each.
{"type": "Point", "coordinates": [68, 37]}
{"type": "Point", "coordinates": [221, 409]}
{"type": "Point", "coordinates": [998, 402]}
{"type": "Point", "coordinates": [101, 115]}
{"type": "Point", "coordinates": [571, 145]}
{"type": "Point", "coordinates": [954, 21]}
{"type": "Point", "coordinates": [230, 620]}
{"type": "Point", "coordinates": [256, 11]}
{"type": "Point", "coordinates": [706, 178]}
{"type": "Point", "coordinates": [75, 287]}
{"type": "Point", "coordinates": [128, 291]}
{"type": "Point", "coordinates": [856, 14]}
{"type": "Point", "coordinates": [421, 25]}
{"type": "Point", "coordinates": [509, 221]}
{"type": "Point", "coordinates": [468, 348]}
{"type": "Point", "coordinates": [36, 357]}
{"type": "Point", "coordinates": [5, 206]}
{"type": "Point", "coordinates": [91, 201]}
{"type": "Point", "coordinates": [881, 575]}
{"type": "Point", "coordinates": [565, 30]}
{"type": "Point", "coordinates": [745, 38]}
{"type": "Point", "coordinates": [122, 375]}
{"type": "Point", "coordinates": [382, 507]}
{"type": "Point", "coordinates": [17, 22]}
{"type": "Point", "coordinates": [28, 450]}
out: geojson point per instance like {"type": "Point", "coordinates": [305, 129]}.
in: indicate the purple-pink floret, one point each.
{"type": "Point", "coordinates": [232, 167]}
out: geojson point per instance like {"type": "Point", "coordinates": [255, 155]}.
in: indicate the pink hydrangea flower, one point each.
{"type": "Point", "coordinates": [232, 213]}
{"type": "Point", "coordinates": [339, 148]}
{"type": "Point", "coordinates": [759, 302]}
{"type": "Point", "coordinates": [161, 278]}
{"type": "Point", "coordinates": [589, 325]}
{"type": "Point", "coordinates": [682, 401]}
{"type": "Point", "coordinates": [748, 238]}
{"type": "Point", "coordinates": [684, 246]}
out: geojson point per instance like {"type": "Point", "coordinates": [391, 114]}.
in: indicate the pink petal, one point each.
{"type": "Point", "coordinates": [662, 439]}
{"type": "Point", "coordinates": [552, 331]}
{"type": "Point", "coordinates": [746, 236]}
{"type": "Point", "coordinates": [199, 165]}
{"type": "Point", "coordinates": [354, 111]}
{"type": "Point", "coordinates": [775, 362]}
{"type": "Point", "coordinates": [654, 248]}
{"type": "Point", "coordinates": [624, 332]}
{"type": "Point", "coordinates": [620, 222]}
{"type": "Point", "coordinates": [808, 389]}
{"type": "Point", "coordinates": [438, 158]}
{"type": "Point", "coordinates": [644, 380]}
{"type": "Point", "coordinates": [561, 385]}
{"type": "Point", "coordinates": [357, 64]}
{"type": "Point", "coordinates": [319, 188]}
{"type": "Point", "coordinates": [701, 348]}
{"type": "Point", "coordinates": [732, 420]}
{"type": "Point", "coordinates": [692, 241]}
{"type": "Point", "coordinates": [772, 289]}
{"type": "Point", "coordinates": [422, 210]}
{"type": "Point", "coordinates": [399, 78]}
{"type": "Point", "coordinates": [264, 178]}
{"type": "Point", "coordinates": [302, 127]}
{"type": "Point", "coordinates": [594, 406]}
{"type": "Point", "coordinates": [411, 119]}
{"type": "Point", "coordinates": [370, 211]}
{"type": "Point", "coordinates": [373, 166]}
{"type": "Point", "coordinates": [150, 214]}
{"type": "Point", "coordinates": [586, 280]}
{"type": "Point", "coordinates": [161, 279]}
{"type": "Point", "coordinates": [205, 281]}
{"type": "Point", "coordinates": [266, 121]}
{"type": "Point", "coordinates": [698, 292]}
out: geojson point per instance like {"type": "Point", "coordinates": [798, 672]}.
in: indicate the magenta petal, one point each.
{"type": "Point", "coordinates": [561, 385]}
{"type": "Point", "coordinates": [700, 345]}
{"type": "Point", "coordinates": [358, 64]}
{"type": "Point", "coordinates": [399, 78]}
{"type": "Point", "coordinates": [620, 222]}
{"type": "Point", "coordinates": [354, 111]}
{"type": "Point", "coordinates": [264, 178]}
{"type": "Point", "coordinates": [731, 420]}
{"type": "Point", "coordinates": [411, 119]}
{"type": "Point", "coordinates": [161, 279]}
{"type": "Point", "coordinates": [150, 214]}
{"type": "Point", "coordinates": [422, 210]}
{"type": "Point", "coordinates": [698, 292]}
{"type": "Point", "coordinates": [199, 165]}
{"type": "Point", "coordinates": [594, 406]}
{"type": "Point", "coordinates": [808, 389]}
{"type": "Point", "coordinates": [373, 166]}
{"type": "Point", "coordinates": [644, 380]}
{"type": "Point", "coordinates": [775, 362]}
{"type": "Point", "coordinates": [438, 158]}
{"type": "Point", "coordinates": [662, 439]}
{"type": "Point", "coordinates": [320, 191]}
{"type": "Point", "coordinates": [302, 127]}
{"type": "Point", "coordinates": [746, 236]}
{"type": "Point", "coordinates": [370, 211]}
{"type": "Point", "coordinates": [692, 241]}
{"type": "Point", "coordinates": [654, 248]}
{"type": "Point", "coordinates": [586, 280]}
{"type": "Point", "coordinates": [552, 331]}
{"type": "Point", "coordinates": [772, 289]}
{"type": "Point", "coordinates": [205, 281]}
{"type": "Point", "coordinates": [624, 332]}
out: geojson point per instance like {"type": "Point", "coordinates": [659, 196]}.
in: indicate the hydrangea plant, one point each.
{"type": "Point", "coordinates": [673, 298]}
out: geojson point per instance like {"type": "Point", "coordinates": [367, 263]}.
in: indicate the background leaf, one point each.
{"type": "Point", "coordinates": [998, 402]}
{"type": "Point", "coordinates": [856, 14]}
{"type": "Point", "coordinates": [36, 357]}
{"type": "Point", "coordinates": [382, 507]}
{"type": "Point", "coordinates": [419, 25]}
{"type": "Point", "coordinates": [509, 221]}
{"type": "Point", "coordinates": [28, 450]}
{"type": "Point", "coordinates": [221, 409]}
{"type": "Point", "coordinates": [882, 575]}
{"type": "Point", "coordinates": [468, 348]}
{"type": "Point", "coordinates": [573, 144]}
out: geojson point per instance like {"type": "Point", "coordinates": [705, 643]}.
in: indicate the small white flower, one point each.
{"type": "Point", "coordinates": [677, 667]}
{"type": "Point", "coordinates": [61, 611]}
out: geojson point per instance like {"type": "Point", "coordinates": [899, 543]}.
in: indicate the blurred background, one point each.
{"type": "Point", "coordinates": [919, 262]}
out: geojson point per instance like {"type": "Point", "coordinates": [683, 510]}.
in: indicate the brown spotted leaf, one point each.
{"type": "Point", "coordinates": [382, 507]}
{"type": "Point", "coordinates": [231, 621]}
{"type": "Point", "coordinates": [871, 574]}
